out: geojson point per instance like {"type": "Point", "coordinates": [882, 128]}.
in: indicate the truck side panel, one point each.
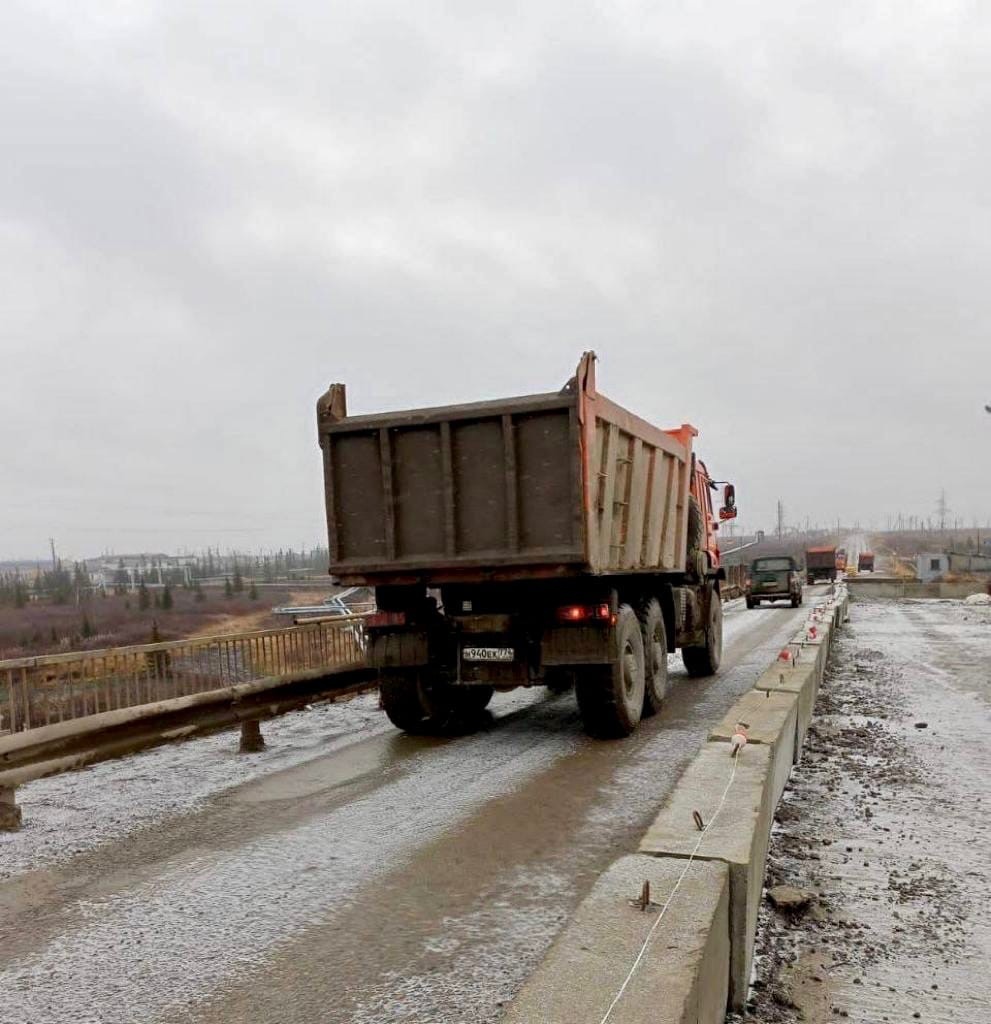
{"type": "Point", "coordinates": [639, 491]}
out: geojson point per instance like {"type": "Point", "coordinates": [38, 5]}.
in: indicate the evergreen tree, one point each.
{"type": "Point", "coordinates": [199, 594]}
{"type": "Point", "coordinates": [228, 589]}
{"type": "Point", "coordinates": [238, 584]}
{"type": "Point", "coordinates": [167, 597]}
{"type": "Point", "coordinates": [87, 629]}
{"type": "Point", "coordinates": [122, 581]}
{"type": "Point", "coordinates": [253, 591]}
{"type": "Point", "coordinates": [144, 598]}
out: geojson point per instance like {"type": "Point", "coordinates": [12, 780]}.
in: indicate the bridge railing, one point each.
{"type": "Point", "coordinates": [55, 688]}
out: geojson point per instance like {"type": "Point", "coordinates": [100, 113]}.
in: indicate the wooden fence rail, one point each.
{"type": "Point", "coordinates": [55, 688]}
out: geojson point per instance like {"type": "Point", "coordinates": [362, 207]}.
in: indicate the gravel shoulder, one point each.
{"type": "Point", "coordinates": [885, 826]}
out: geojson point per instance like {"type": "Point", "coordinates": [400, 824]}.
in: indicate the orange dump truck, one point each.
{"type": "Point", "coordinates": [548, 539]}
{"type": "Point", "coordinates": [821, 564]}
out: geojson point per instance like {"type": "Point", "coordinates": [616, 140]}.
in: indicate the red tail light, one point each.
{"type": "Point", "coordinates": [386, 619]}
{"type": "Point", "coordinates": [585, 613]}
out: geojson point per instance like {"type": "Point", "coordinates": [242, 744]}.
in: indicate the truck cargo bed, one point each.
{"type": "Point", "coordinates": [542, 485]}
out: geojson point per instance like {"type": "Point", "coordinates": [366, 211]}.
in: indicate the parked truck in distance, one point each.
{"type": "Point", "coordinates": [865, 561]}
{"type": "Point", "coordinates": [820, 564]}
{"type": "Point", "coordinates": [550, 539]}
{"type": "Point", "coordinates": [840, 560]}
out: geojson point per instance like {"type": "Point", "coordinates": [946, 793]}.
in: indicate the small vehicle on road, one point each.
{"type": "Point", "coordinates": [865, 561]}
{"type": "Point", "coordinates": [774, 578]}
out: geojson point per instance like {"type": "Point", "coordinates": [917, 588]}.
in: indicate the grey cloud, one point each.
{"type": "Point", "coordinates": [207, 213]}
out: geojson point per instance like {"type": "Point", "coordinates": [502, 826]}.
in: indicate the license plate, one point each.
{"type": "Point", "coordinates": [487, 653]}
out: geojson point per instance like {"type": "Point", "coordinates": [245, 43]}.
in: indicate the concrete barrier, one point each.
{"type": "Point", "coordinates": [682, 977]}
{"type": "Point", "coordinates": [771, 719]}
{"type": "Point", "coordinates": [803, 682]}
{"type": "Point", "coordinates": [737, 837]}
{"type": "Point", "coordinates": [885, 588]}
{"type": "Point", "coordinates": [699, 961]}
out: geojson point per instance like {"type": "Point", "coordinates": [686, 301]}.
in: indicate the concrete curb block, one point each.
{"type": "Point", "coordinates": [699, 961]}
{"type": "Point", "coordinates": [683, 976]}
{"type": "Point", "coordinates": [771, 719]}
{"type": "Point", "coordinates": [738, 837]}
{"type": "Point", "coordinates": [802, 680]}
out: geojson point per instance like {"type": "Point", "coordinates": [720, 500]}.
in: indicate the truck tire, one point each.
{"type": "Point", "coordinates": [795, 602]}
{"type": "Point", "coordinates": [475, 698]}
{"type": "Point", "coordinates": [696, 561]}
{"type": "Point", "coordinates": [610, 697]}
{"type": "Point", "coordinates": [704, 659]}
{"type": "Point", "coordinates": [751, 603]}
{"type": "Point", "coordinates": [400, 695]}
{"type": "Point", "coordinates": [655, 656]}
{"type": "Point", "coordinates": [417, 705]}
{"type": "Point", "coordinates": [558, 680]}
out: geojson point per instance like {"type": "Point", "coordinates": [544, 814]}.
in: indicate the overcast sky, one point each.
{"type": "Point", "coordinates": [769, 219]}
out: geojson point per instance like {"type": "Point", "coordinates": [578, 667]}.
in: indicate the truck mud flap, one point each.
{"type": "Point", "coordinates": [576, 645]}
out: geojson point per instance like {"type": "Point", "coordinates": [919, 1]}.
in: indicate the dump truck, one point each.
{"type": "Point", "coordinates": [552, 539]}
{"type": "Point", "coordinates": [865, 561]}
{"type": "Point", "coordinates": [820, 564]}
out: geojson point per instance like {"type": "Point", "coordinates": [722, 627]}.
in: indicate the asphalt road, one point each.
{"type": "Point", "coordinates": [395, 879]}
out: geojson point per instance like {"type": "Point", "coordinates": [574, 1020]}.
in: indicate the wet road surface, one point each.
{"type": "Point", "coordinates": [395, 879]}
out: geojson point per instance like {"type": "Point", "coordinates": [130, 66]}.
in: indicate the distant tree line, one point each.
{"type": "Point", "coordinates": [59, 584]}
{"type": "Point", "coordinates": [240, 571]}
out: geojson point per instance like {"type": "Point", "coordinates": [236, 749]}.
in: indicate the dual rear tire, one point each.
{"type": "Point", "coordinates": [419, 700]}
{"type": "Point", "coordinates": [611, 697]}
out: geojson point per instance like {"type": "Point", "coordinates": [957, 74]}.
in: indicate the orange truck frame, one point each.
{"type": "Point", "coordinates": [550, 539]}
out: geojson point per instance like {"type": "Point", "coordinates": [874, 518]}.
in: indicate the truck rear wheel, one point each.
{"type": "Point", "coordinates": [400, 696]}
{"type": "Point", "coordinates": [475, 698]}
{"type": "Point", "coordinates": [611, 697]}
{"type": "Point", "coordinates": [697, 562]}
{"type": "Point", "coordinates": [416, 704]}
{"type": "Point", "coordinates": [655, 656]}
{"type": "Point", "coordinates": [704, 659]}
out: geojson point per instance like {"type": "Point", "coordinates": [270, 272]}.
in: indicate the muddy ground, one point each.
{"type": "Point", "coordinates": [886, 826]}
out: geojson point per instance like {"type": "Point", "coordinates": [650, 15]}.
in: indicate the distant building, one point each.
{"type": "Point", "coordinates": [968, 564]}
{"type": "Point", "coordinates": [155, 568]}
{"type": "Point", "coordinates": [930, 565]}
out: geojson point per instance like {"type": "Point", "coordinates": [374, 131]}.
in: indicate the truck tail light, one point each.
{"type": "Point", "coordinates": [586, 613]}
{"type": "Point", "coordinates": [386, 619]}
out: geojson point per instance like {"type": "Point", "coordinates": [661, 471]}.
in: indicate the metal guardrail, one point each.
{"type": "Point", "coordinates": [736, 577]}
{"type": "Point", "coordinates": [42, 691]}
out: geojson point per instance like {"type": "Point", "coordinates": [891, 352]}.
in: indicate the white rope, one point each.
{"type": "Point", "coordinates": [671, 895]}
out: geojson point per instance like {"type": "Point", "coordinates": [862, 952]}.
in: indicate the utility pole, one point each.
{"type": "Point", "coordinates": [942, 510]}
{"type": "Point", "coordinates": [51, 542]}
{"type": "Point", "coordinates": [781, 519]}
